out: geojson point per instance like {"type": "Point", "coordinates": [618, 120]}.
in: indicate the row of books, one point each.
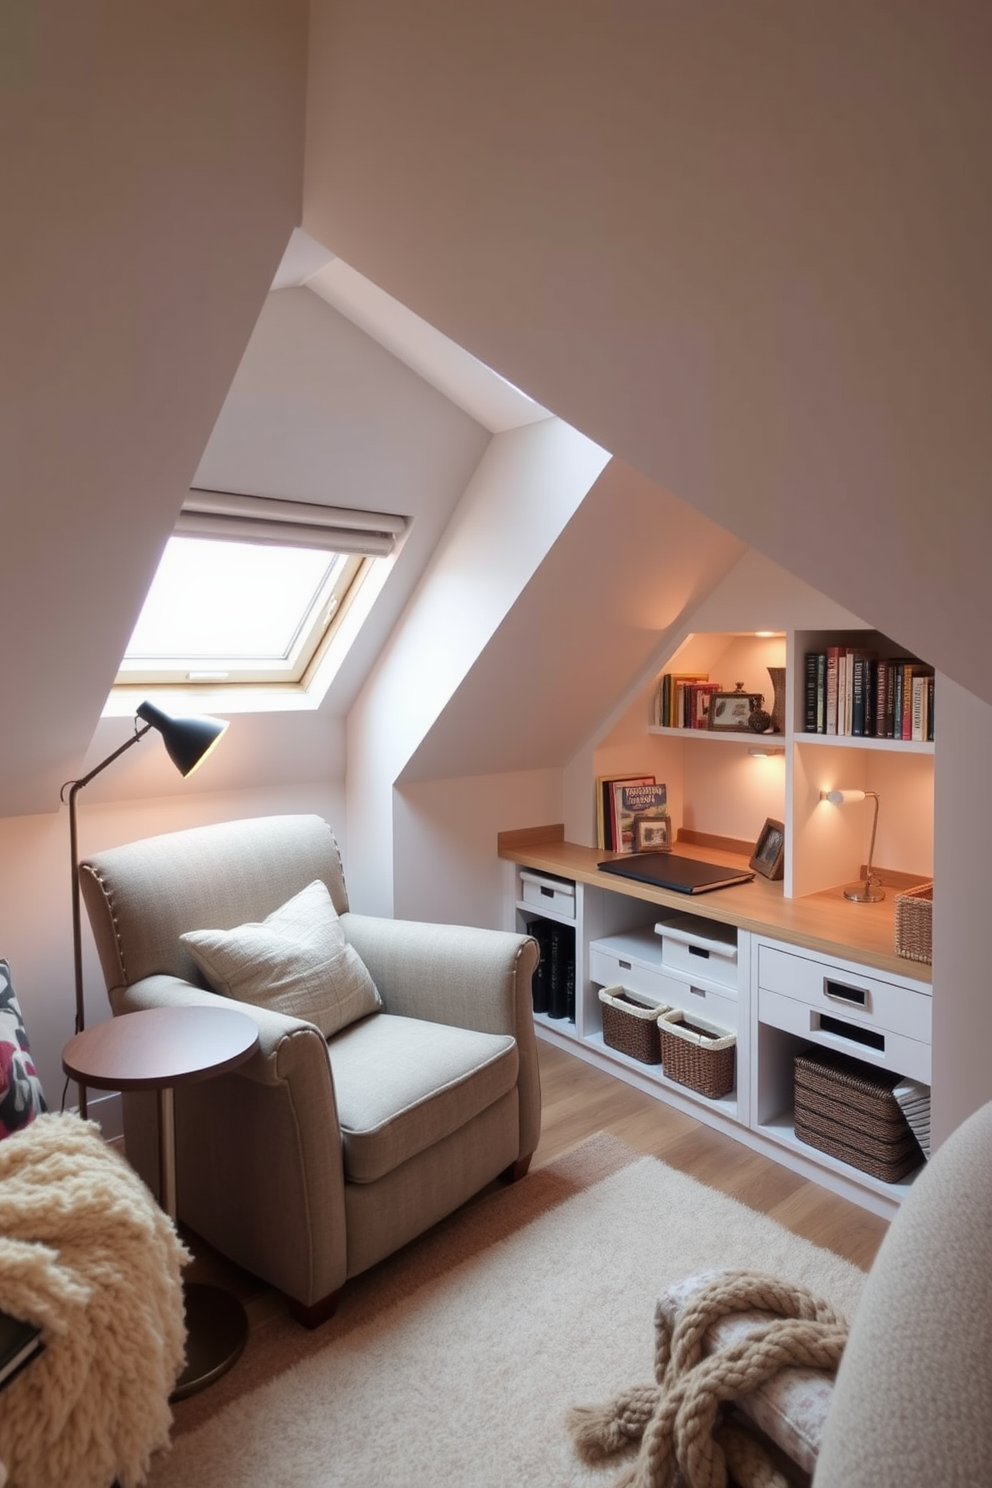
{"type": "Point", "coordinates": [553, 983]}
{"type": "Point", "coordinates": [848, 691]}
{"type": "Point", "coordinates": [682, 700]}
{"type": "Point", "coordinates": [621, 802]}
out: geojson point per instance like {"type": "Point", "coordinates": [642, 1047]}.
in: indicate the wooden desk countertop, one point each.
{"type": "Point", "coordinates": [825, 922]}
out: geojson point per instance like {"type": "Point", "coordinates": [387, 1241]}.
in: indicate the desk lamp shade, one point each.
{"type": "Point", "coordinates": [187, 741]}
{"type": "Point", "coordinates": [869, 890]}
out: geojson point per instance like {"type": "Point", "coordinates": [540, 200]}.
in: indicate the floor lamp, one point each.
{"type": "Point", "coordinates": [187, 741]}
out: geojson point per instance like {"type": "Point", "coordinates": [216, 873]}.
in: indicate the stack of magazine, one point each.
{"type": "Point", "coordinates": [913, 1100]}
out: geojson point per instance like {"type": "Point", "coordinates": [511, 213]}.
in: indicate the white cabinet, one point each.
{"type": "Point", "coordinates": [803, 999]}
{"type": "Point", "coordinates": [780, 998]}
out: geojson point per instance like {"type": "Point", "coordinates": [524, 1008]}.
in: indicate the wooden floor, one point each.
{"type": "Point", "coordinates": [579, 1100]}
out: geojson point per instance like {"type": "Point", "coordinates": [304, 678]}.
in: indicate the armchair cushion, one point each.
{"type": "Point", "coordinates": [403, 1084]}
{"type": "Point", "coordinates": [296, 961]}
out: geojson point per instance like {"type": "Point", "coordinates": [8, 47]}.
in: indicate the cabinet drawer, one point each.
{"type": "Point", "coordinates": [891, 1051]}
{"type": "Point", "coordinates": [700, 948]}
{"type": "Point", "coordinates": [837, 992]}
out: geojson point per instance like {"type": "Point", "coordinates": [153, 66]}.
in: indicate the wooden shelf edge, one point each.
{"type": "Point", "coordinates": [506, 842]}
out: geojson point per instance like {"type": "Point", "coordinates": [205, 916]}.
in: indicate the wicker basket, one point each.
{"type": "Point", "coordinates": [914, 923]}
{"type": "Point", "coordinates": [698, 1053]}
{"type": "Point", "coordinates": [846, 1108]}
{"type": "Point", "coordinates": [630, 1025]}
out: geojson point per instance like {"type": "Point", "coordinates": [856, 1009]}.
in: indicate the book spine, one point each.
{"type": "Point", "coordinates": [907, 702]}
{"type": "Point", "coordinates": [881, 690]}
{"type": "Point", "coordinates": [833, 687]}
{"type": "Point", "coordinates": [809, 693]}
{"type": "Point", "coordinates": [821, 692]}
{"type": "Point", "coordinates": [897, 680]}
{"type": "Point", "coordinates": [858, 695]}
{"type": "Point", "coordinates": [540, 930]}
{"type": "Point", "coordinates": [931, 689]}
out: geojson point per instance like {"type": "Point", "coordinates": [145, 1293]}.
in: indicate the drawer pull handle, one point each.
{"type": "Point", "coordinates": [547, 893]}
{"type": "Point", "coordinates": [624, 965]}
{"type": "Point", "coordinates": [866, 1036]}
{"type": "Point", "coordinates": [697, 991]}
{"type": "Point", "coordinates": [842, 993]}
{"type": "Point", "coordinates": [699, 951]}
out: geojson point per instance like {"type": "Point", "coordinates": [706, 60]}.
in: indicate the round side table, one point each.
{"type": "Point", "coordinates": [158, 1049]}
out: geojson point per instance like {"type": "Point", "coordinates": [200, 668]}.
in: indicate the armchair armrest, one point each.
{"type": "Point", "coordinates": [285, 1044]}
{"type": "Point", "coordinates": [456, 974]}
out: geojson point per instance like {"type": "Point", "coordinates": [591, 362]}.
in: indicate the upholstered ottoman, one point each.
{"type": "Point", "coordinates": [789, 1410]}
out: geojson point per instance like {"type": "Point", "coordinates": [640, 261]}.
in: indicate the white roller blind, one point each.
{"type": "Point", "coordinates": [233, 517]}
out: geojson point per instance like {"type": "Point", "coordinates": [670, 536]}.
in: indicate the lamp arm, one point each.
{"type": "Point", "coordinates": [74, 787]}
{"type": "Point", "coordinates": [869, 875]}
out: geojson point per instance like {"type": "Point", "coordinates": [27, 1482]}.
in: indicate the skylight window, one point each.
{"type": "Point", "coordinates": [251, 591]}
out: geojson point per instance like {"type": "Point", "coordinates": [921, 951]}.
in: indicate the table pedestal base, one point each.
{"type": "Point", "coordinates": [216, 1330]}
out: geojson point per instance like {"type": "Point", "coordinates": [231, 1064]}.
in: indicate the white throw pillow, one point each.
{"type": "Point", "coordinates": [296, 961]}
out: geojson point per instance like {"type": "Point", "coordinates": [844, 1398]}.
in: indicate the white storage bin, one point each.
{"type": "Point", "coordinates": [547, 893]}
{"type": "Point", "coordinates": [631, 960]}
{"type": "Point", "coordinates": [697, 947]}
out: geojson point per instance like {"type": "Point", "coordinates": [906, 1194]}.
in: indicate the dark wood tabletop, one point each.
{"type": "Point", "coordinates": [159, 1047]}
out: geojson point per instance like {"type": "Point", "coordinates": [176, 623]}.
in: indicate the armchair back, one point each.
{"type": "Point", "coordinates": [141, 897]}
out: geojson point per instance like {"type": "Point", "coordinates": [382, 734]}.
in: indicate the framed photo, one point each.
{"type": "Point", "coordinates": [653, 834]}
{"type": "Point", "coordinates": [768, 857]}
{"type": "Point", "coordinates": [729, 711]}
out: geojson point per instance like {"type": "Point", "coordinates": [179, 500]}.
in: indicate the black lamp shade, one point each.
{"type": "Point", "coordinates": [187, 741]}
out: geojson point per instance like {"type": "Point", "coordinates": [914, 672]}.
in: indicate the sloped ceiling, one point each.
{"type": "Point", "coordinates": [152, 177]}
{"type": "Point", "coordinates": [744, 247]}
{"type": "Point", "coordinates": [632, 562]}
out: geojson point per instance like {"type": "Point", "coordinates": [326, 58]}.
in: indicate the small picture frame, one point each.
{"type": "Point", "coordinates": [768, 857]}
{"type": "Point", "coordinates": [653, 834]}
{"type": "Point", "coordinates": [729, 711]}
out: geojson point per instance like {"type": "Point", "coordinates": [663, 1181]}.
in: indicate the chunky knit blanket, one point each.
{"type": "Point", "coordinates": [86, 1252]}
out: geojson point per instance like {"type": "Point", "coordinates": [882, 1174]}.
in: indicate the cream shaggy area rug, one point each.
{"type": "Point", "coordinates": [453, 1364]}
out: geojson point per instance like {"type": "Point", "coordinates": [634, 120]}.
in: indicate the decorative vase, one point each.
{"type": "Point", "coordinates": [777, 675]}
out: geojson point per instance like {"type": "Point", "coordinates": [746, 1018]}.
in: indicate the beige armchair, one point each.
{"type": "Point", "coordinates": [333, 1145]}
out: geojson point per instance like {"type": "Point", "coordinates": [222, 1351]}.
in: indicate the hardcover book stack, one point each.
{"type": "Point", "coordinates": [857, 692]}
{"type": "Point", "coordinates": [553, 983]}
{"type": "Point", "coordinates": [682, 700]}
{"type": "Point", "coordinates": [622, 801]}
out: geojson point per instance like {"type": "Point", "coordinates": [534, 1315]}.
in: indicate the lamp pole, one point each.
{"type": "Point", "coordinates": [188, 741]}
{"type": "Point", "coordinates": [74, 787]}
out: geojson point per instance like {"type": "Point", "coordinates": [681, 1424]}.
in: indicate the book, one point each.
{"type": "Point", "coordinates": [622, 820]}
{"type": "Point", "coordinates": [19, 1342]}
{"type": "Point", "coordinates": [647, 802]}
{"type": "Point", "coordinates": [698, 709]}
{"type": "Point", "coordinates": [814, 692]}
{"type": "Point", "coordinates": [673, 697]}
{"type": "Point", "coordinates": [833, 688]}
{"type": "Point", "coordinates": [561, 981]}
{"type": "Point", "coordinates": [540, 929]}
{"type": "Point", "coordinates": [605, 806]}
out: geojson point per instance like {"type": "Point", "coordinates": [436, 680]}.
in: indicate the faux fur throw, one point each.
{"type": "Point", "coordinates": [86, 1252]}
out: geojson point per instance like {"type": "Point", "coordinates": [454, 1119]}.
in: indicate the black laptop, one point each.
{"type": "Point", "coordinates": [670, 871]}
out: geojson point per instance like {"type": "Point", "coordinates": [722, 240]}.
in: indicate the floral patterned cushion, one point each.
{"type": "Point", "coordinates": [21, 1095]}
{"type": "Point", "coordinates": [791, 1408]}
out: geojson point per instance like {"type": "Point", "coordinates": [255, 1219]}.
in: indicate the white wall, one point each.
{"type": "Point", "coordinates": [743, 247]}
{"type": "Point", "coordinates": [445, 842]}
{"type": "Point", "coordinates": [525, 489]}
{"type": "Point", "coordinates": [962, 1032]}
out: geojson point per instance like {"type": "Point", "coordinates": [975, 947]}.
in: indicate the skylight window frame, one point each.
{"type": "Point", "coordinates": [365, 540]}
